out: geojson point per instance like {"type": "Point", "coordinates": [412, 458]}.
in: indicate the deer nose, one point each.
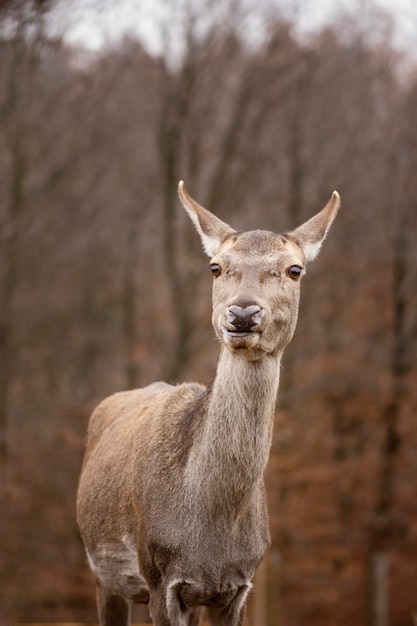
{"type": "Point", "coordinates": [244, 318]}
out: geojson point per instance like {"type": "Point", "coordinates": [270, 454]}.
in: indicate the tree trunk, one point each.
{"type": "Point", "coordinates": [386, 528]}
{"type": "Point", "coordinates": [10, 238]}
{"type": "Point", "coordinates": [380, 589]}
{"type": "Point", "coordinates": [173, 118]}
{"type": "Point", "coordinates": [129, 308]}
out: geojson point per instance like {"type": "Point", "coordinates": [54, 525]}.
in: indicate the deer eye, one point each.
{"type": "Point", "coordinates": [294, 272]}
{"type": "Point", "coordinates": [216, 270]}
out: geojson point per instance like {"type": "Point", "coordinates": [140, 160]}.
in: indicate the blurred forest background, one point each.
{"type": "Point", "coordinates": [104, 286]}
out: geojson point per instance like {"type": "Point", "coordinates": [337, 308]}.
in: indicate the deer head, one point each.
{"type": "Point", "coordinates": [257, 275]}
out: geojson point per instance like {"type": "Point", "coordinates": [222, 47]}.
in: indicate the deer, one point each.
{"type": "Point", "coordinates": [171, 503]}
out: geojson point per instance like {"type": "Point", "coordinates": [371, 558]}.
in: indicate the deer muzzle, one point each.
{"type": "Point", "coordinates": [243, 320]}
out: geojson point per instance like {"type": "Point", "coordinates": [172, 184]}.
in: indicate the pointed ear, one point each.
{"type": "Point", "coordinates": [212, 230]}
{"type": "Point", "coordinates": [312, 233]}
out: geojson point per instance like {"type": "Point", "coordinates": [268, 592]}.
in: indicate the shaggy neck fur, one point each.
{"type": "Point", "coordinates": [230, 452]}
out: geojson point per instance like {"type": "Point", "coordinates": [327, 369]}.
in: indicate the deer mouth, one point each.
{"type": "Point", "coordinates": [242, 339]}
{"type": "Point", "coordinates": [236, 333]}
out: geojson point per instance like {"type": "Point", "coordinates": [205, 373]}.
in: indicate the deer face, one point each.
{"type": "Point", "coordinates": [256, 291]}
{"type": "Point", "coordinates": [257, 275]}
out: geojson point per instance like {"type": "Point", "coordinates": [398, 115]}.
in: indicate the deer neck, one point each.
{"type": "Point", "coordinates": [231, 449]}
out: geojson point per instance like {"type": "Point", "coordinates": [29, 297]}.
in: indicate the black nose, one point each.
{"type": "Point", "coordinates": [244, 318]}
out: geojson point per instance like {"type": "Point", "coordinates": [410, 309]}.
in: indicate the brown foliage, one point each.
{"type": "Point", "coordinates": [103, 287]}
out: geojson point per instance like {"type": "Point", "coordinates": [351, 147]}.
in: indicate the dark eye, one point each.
{"type": "Point", "coordinates": [216, 270]}
{"type": "Point", "coordinates": [294, 271]}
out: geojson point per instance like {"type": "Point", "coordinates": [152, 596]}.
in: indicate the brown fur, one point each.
{"type": "Point", "coordinates": [171, 502]}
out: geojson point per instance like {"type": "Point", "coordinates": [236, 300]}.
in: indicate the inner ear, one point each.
{"type": "Point", "coordinates": [210, 228]}
{"type": "Point", "coordinates": [310, 235]}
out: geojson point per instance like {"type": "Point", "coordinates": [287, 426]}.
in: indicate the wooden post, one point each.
{"type": "Point", "coordinates": [257, 610]}
{"type": "Point", "coordinates": [380, 589]}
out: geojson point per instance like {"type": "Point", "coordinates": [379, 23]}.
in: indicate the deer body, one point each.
{"type": "Point", "coordinates": [171, 502]}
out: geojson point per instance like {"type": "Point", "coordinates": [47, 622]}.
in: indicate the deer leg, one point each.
{"type": "Point", "coordinates": [158, 608]}
{"type": "Point", "coordinates": [171, 613]}
{"type": "Point", "coordinates": [113, 610]}
{"type": "Point", "coordinates": [195, 616]}
{"type": "Point", "coordinates": [233, 614]}
{"type": "Point", "coordinates": [221, 617]}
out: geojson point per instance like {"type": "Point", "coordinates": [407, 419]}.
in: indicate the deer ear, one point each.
{"type": "Point", "coordinates": [312, 233]}
{"type": "Point", "coordinates": [212, 230]}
